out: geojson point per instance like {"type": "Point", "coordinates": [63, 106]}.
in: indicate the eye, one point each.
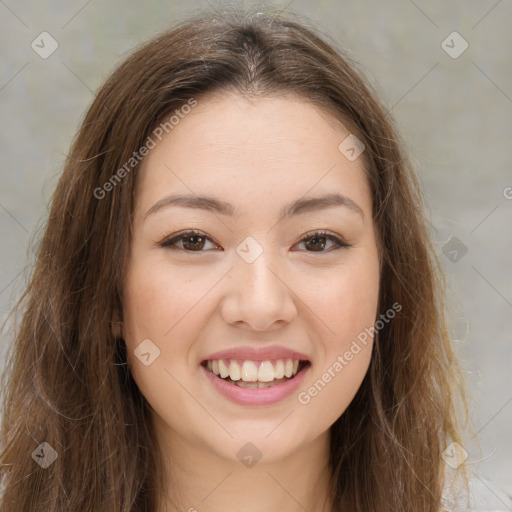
{"type": "Point", "coordinates": [195, 241]}
{"type": "Point", "coordinates": [191, 241]}
{"type": "Point", "coordinates": [319, 240]}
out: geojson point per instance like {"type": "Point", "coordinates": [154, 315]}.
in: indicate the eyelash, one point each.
{"type": "Point", "coordinates": [168, 243]}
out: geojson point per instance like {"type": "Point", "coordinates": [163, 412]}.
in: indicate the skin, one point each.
{"type": "Point", "coordinates": [258, 155]}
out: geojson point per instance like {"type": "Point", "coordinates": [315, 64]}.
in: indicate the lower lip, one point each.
{"type": "Point", "coordinates": [256, 396]}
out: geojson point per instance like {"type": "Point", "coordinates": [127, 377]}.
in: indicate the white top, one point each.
{"type": "Point", "coordinates": [484, 496]}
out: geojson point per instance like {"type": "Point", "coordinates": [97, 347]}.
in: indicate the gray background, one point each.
{"type": "Point", "coordinates": [455, 115]}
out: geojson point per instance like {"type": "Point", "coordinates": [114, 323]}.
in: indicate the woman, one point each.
{"type": "Point", "coordinates": [235, 302]}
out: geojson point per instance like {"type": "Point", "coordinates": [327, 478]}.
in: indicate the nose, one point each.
{"type": "Point", "coordinates": [259, 297]}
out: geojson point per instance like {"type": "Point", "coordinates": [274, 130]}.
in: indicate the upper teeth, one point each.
{"type": "Point", "coordinates": [253, 371]}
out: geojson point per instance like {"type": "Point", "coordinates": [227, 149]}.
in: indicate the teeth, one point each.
{"type": "Point", "coordinates": [279, 369]}
{"type": "Point", "coordinates": [266, 372]}
{"type": "Point", "coordinates": [235, 371]}
{"type": "Point", "coordinates": [253, 372]}
{"type": "Point", "coordinates": [249, 371]}
{"type": "Point", "coordinates": [288, 368]}
{"type": "Point", "coordinates": [243, 384]}
{"type": "Point", "coordinates": [255, 385]}
{"type": "Point", "coordinates": [223, 369]}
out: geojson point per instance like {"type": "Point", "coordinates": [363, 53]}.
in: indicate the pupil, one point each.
{"type": "Point", "coordinates": [195, 240]}
{"type": "Point", "coordinates": [314, 242]}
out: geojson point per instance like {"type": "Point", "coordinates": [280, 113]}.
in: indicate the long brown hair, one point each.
{"type": "Point", "coordinates": [66, 380]}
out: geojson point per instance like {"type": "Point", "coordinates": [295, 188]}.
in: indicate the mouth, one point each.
{"type": "Point", "coordinates": [256, 374]}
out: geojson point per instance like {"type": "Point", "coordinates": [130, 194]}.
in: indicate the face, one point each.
{"type": "Point", "coordinates": [272, 282]}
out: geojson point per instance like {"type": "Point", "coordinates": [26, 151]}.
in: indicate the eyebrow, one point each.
{"type": "Point", "coordinates": [300, 206]}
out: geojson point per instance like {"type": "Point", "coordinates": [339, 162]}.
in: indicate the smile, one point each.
{"type": "Point", "coordinates": [255, 374]}
{"type": "Point", "coordinates": [255, 382]}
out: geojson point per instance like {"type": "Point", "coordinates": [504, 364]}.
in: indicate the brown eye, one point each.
{"type": "Point", "coordinates": [320, 240]}
{"type": "Point", "coordinates": [189, 241]}
{"type": "Point", "coordinates": [194, 242]}
{"type": "Point", "coordinates": [317, 243]}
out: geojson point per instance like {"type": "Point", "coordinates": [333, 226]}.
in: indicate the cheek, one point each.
{"type": "Point", "coordinates": [346, 300]}
{"type": "Point", "coordinates": [164, 308]}
{"type": "Point", "coordinates": [158, 302]}
{"type": "Point", "coordinates": [160, 306]}
{"type": "Point", "coordinates": [347, 304]}
{"type": "Point", "coordinates": [331, 389]}
{"type": "Point", "coordinates": [355, 303]}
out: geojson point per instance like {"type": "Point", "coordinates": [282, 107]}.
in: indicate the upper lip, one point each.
{"type": "Point", "coordinates": [257, 354]}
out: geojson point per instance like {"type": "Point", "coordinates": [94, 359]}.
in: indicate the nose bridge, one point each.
{"type": "Point", "coordinates": [257, 266]}
{"type": "Point", "coordinates": [259, 296]}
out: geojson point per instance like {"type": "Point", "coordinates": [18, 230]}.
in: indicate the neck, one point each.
{"type": "Point", "coordinates": [199, 480]}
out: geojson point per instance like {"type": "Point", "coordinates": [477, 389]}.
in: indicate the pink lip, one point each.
{"type": "Point", "coordinates": [258, 396]}
{"type": "Point", "coordinates": [257, 354]}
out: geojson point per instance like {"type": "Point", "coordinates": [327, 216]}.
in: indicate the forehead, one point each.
{"type": "Point", "coordinates": [252, 150]}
